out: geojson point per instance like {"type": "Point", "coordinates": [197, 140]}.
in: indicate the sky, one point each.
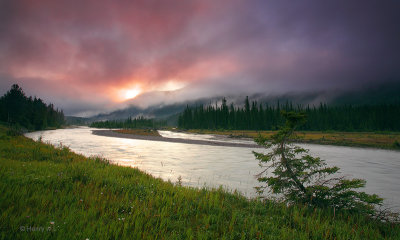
{"type": "Point", "coordinates": [92, 56]}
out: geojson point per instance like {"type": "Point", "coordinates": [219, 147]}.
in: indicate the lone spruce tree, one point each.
{"type": "Point", "coordinates": [291, 172]}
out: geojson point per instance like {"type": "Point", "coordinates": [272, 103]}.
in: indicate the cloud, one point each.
{"type": "Point", "coordinates": [85, 52]}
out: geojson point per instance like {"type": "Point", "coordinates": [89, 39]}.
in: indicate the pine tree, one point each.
{"type": "Point", "coordinates": [253, 117]}
{"type": "Point", "coordinates": [291, 171]}
{"type": "Point", "coordinates": [18, 109]}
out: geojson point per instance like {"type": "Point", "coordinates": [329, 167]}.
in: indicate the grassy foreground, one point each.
{"type": "Point", "coordinates": [356, 139]}
{"type": "Point", "coordinates": [52, 193]}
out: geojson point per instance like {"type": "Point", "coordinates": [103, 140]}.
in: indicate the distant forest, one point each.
{"type": "Point", "coordinates": [30, 113]}
{"type": "Point", "coordinates": [130, 123]}
{"type": "Point", "coordinates": [254, 116]}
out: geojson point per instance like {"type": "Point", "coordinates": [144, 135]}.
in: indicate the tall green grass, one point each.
{"type": "Point", "coordinates": [52, 193]}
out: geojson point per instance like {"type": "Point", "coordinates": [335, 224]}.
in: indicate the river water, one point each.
{"type": "Point", "coordinates": [233, 168]}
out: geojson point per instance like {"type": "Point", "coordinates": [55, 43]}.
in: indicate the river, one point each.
{"type": "Point", "coordinates": [230, 167]}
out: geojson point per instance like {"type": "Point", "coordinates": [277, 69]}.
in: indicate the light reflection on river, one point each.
{"type": "Point", "coordinates": [231, 167]}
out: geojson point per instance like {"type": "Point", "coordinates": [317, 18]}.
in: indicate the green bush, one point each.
{"type": "Point", "coordinates": [293, 173]}
{"type": "Point", "coordinates": [14, 130]}
{"type": "Point", "coordinates": [396, 144]}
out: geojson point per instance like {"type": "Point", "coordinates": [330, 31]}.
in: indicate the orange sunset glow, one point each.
{"type": "Point", "coordinates": [86, 57]}
{"type": "Point", "coordinates": [131, 93]}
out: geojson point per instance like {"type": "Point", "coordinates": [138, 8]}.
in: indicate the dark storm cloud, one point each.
{"type": "Point", "coordinates": [324, 44]}
{"type": "Point", "coordinates": [214, 47]}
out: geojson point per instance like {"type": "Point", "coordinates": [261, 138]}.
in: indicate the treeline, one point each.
{"type": "Point", "coordinates": [130, 123]}
{"type": "Point", "coordinates": [263, 116]}
{"type": "Point", "coordinates": [31, 113]}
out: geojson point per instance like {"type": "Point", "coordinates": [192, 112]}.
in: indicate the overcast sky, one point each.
{"type": "Point", "coordinates": [88, 56]}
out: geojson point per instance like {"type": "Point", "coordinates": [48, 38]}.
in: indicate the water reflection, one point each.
{"type": "Point", "coordinates": [205, 137]}
{"type": "Point", "coordinates": [231, 167]}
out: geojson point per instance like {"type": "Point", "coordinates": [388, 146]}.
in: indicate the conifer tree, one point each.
{"type": "Point", "coordinates": [292, 172]}
{"type": "Point", "coordinates": [383, 117]}
{"type": "Point", "coordinates": [19, 110]}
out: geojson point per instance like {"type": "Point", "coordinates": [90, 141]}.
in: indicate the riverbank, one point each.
{"type": "Point", "coordinates": [353, 139]}
{"type": "Point", "coordinates": [130, 135]}
{"type": "Point", "coordinates": [50, 193]}
{"type": "Point", "coordinates": [138, 131]}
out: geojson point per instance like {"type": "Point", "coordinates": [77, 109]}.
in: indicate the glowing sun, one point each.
{"type": "Point", "coordinates": [130, 93]}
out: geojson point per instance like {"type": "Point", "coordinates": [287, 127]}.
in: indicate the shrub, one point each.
{"type": "Point", "coordinates": [396, 144]}
{"type": "Point", "coordinates": [14, 130]}
{"type": "Point", "coordinates": [293, 173]}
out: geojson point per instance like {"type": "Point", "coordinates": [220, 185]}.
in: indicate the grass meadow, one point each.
{"type": "Point", "coordinates": [52, 193]}
{"type": "Point", "coordinates": [384, 140]}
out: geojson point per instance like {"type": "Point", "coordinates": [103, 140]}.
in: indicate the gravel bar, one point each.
{"type": "Point", "coordinates": [111, 133]}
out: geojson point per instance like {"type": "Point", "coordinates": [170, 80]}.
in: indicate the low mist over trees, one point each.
{"type": "Point", "coordinates": [31, 113]}
{"type": "Point", "coordinates": [263, 116]}
{"type": "Point", "coordinates": [130, 123]}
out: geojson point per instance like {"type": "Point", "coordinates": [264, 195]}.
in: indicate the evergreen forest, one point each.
{"type": "Point", "coordinates": [265, 116]}
{"type": "Point", "coordinates": [130, 123]}
{"type": "Point", "coordinates": [17, 109]}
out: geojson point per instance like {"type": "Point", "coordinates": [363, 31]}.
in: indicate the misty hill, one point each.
{"type": "Point", "coordinates": [168, 112]}
{"type": "Point", "coordinates": [387, 93]}
{"type": "Point", "coordinates": [72, 120]}
{"type": "Point", "coordinates": [383, 94]}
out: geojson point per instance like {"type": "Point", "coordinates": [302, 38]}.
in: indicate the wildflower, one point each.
{"type": "Point", "coordinates": [52, 223]}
